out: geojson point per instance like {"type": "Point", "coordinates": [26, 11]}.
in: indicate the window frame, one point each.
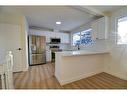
{"type": "Point", "coordinates": [116, 28]}
{"type": "Point", "coordinates": [81, 35]}
{"type": "Point", "coordinates": [73, 40]}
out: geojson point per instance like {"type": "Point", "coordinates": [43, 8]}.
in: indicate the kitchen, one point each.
{"type": "Point", "coordinates": [56, 41]}
{"type": "Point", "coordinates": [69, 46]}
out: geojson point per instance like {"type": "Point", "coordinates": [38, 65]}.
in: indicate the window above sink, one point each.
{"type": "Point", "coordinates": [83, 37]}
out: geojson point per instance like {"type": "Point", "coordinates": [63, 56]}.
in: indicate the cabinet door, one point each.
{"type": "Point", "coordinates": [61, 37]}
{"type": "Point", "coordinates": [94, 30]}
{"type": "Point", "coordinates": [64, 38]}
{"type": "Point", "coordinates": [48, 56]}
{"type": "Point", "coordinates": [101, 28]}
{"type": "Point", "coordinates": [47, 39]}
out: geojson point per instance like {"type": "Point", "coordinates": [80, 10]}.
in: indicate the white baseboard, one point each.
{"type": "Point", "coordinates": [20, 70]}
{"type": "Point", "coordinates": [25, 69]}
{"type": "Point", "coordinates": [63, 82]}
{"type": "Point", "coordinates": [17, 70]}
{"type": "Point", "coordinates": [124, 77]}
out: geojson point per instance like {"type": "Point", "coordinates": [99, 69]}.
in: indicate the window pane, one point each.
{"type": "Point", "coordinates": [76, 38]}
{"type": "Point", "coordinates": [86, 37]}
{"type": "Point", "coordinates": [122, 31]}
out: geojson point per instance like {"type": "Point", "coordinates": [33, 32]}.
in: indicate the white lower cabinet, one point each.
{"type": "Point", "coordinates": [48, 55]}
{"type": "Point", "coordinates": [47, 39]}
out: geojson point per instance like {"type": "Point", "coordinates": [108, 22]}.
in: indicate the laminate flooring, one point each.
{"type": "Point", "coordinates": [42, 77]}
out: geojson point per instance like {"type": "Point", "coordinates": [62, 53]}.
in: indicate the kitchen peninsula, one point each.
{"type": "Point", "coordinates": [75, 65]}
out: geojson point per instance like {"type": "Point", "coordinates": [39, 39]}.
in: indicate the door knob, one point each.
{"type": "Point", "coordinates": [19, 49]}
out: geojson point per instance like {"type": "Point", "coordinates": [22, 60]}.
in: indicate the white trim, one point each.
{"type": "Point", "coordinates": [63, 82]}
{"type": "Point", "coordinates": [25, 69]}
{"type": "Point", "coordinates": [93, 11]}
{"type": "Point", "coordinates": [117, 74]}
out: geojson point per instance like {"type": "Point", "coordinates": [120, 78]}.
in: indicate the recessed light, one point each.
{"type": "Point", "coordinates": [58, 22]}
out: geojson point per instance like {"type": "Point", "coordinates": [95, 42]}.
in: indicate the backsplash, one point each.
{"type": "Point", "coordinates": [97, 45]}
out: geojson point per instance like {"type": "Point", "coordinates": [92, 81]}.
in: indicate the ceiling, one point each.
{"type": "Point", "coordinates": [46, 16]}
{"type": "Point", "coordinates": [107, 8]}
{"type": "Point", "coordinates": [70, 16]}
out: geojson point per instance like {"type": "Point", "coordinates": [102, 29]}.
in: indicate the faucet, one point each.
{"type": "Point", "coordinates": [78, 46]}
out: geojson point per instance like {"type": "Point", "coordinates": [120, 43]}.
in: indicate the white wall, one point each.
{"type": "Point", "coordinates": [25, 28]}
{"type": "Point", "coordinates": [116, 64]}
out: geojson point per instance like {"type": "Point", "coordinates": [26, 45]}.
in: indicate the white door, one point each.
{"type": "Point", "coordinates": [10, 39]}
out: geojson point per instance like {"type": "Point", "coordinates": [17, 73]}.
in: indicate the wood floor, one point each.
{"type": "Point", "coordinates": [42, 77]}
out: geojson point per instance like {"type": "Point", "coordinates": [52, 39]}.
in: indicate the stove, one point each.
{"type": "Point", "coordinates": [53, 50]}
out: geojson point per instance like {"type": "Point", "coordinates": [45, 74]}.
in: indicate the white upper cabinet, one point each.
{"type": "Point", "coordinates": [94, 27]}
{"type": "Point", "coordinates": [99, 28]}
{"type": "Point", "coordinates": [63, 36]}
{"type": "Point", "coordinates": [48, 55]}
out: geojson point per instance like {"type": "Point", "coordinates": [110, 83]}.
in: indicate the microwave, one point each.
{"type": "Point", "coordinates": [55, 40]}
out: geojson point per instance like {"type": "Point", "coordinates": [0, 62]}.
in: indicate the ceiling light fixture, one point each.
{"type": "Point", "coordinates": [58, 22]}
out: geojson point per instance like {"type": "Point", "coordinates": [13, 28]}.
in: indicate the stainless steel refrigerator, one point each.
{"type": "Point", "coordinates": [37, 50]}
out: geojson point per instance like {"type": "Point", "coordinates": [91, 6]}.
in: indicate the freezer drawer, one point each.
{"type": "Point", "coordinates": [41, 58]}
{"type": "Point", "coordinates": [34, 59]}
{"type": "Point", "coordinates": [38, 59]}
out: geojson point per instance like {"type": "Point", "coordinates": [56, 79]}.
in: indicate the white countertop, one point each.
{"type": "Point", "coordinates": [82, 52]}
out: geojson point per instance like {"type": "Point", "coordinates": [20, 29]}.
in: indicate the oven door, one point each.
{"type": "Point", "coordinates": [53, 56]}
